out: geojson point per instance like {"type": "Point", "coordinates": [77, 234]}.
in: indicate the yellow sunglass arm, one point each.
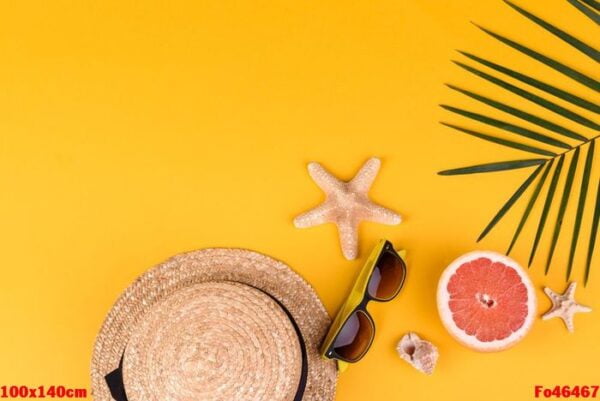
{"type": "Point", "coordinates": [342, 366]}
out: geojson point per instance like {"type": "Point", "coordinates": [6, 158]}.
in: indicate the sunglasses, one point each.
{"type": "Point", "coordinates": [353, 329]}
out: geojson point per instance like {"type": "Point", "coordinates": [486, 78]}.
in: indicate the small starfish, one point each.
{"type": "Point", "coordinates": [346, 204]}
{"type": "Point", "coordinates": [564, 306]}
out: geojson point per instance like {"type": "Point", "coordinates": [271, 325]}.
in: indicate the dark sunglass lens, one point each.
{"type": "Point", "coordinates": [387, 276]}
{"type": "Point", "coordinates": [355, 337]}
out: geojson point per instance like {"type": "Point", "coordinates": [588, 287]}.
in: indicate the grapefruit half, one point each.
{"type": "Point", "coordinates": [486, 301]}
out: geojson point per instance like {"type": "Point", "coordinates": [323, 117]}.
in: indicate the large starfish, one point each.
{"type": "Point", "coordinates": [346, 204]}
{"type": "Point", "coordinates": [564, 306]}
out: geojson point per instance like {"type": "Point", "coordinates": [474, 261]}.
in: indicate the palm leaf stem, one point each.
{"type": "Point", "coordinates": [592, 139]}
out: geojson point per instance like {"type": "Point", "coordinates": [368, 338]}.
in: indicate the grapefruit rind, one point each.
{"type": "Point", "coordinates": [443, 298]}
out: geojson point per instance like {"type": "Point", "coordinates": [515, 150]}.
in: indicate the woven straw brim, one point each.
{"type": "Point", "coordinates": [185, 271]}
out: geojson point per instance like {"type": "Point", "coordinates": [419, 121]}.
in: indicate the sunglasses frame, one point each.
{"type": "Point", "coordinates": [357, 302]}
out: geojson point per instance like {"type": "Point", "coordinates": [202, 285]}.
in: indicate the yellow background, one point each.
{"type": "Point", "coordinates": [134, 130]}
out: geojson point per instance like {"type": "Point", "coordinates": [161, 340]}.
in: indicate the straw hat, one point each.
{"type": "Point", "coordinates": [215, 325]}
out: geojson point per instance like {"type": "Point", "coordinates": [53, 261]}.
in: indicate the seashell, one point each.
{"type": "Point", "coordinates": [421, 354]}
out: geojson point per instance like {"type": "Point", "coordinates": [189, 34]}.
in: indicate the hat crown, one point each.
{"type": "Point", "coordinates": [224, 340]}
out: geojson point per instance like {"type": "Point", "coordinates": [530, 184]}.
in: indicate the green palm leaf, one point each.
{"type": "Point", "coordinates": [511, 201]}
{"type": "Point", "coordinates": [560, 67]}
{"type": "Point", "coordinates": [545, 134]}
{"type": "Point", "coordinates": [592, 3]}
{"type": "Point", "coordinates": [532, 200]}
{"type": "Point", "coordinates": [547, 204]}
{"type": "Point", "coordinates": [533, 98]}
{"type": "Point", "coordinates": [584, 9]}
{"type": "Point", "coordinates": [500, 141]}
{"type": "Point", "coordinates": [587, 169]}
{"type": "Point", "coordinates": [540, 122]}
{"type": "Point", "coordinates": [576, 43]}
{"type": "Point", "coordinates": [593, 235]}
{"type": "Point", "coordinates": [536, 83]}
{"type": "Point", "coordinates": [492, 167]}
{"type": "Point", "coordinates": [563, 206]}
{"type": "Point", "coordinates": [509, 127]}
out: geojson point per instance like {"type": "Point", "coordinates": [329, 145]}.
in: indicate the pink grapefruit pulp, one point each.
{"type": "Point", "coordinates": [486, 301]}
